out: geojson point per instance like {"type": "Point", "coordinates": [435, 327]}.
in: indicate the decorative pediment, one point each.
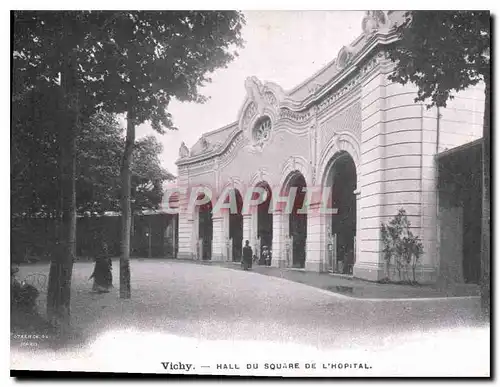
{"type": "Point", "coordinates": [201, 146]}
{"type": "Point", "coordinates": [255, 93]}
{"type": "Point", "coordinates": [260, 110]}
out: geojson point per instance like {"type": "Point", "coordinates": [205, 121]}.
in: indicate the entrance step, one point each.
{"type": "Point", "coordinates": [340, 275]}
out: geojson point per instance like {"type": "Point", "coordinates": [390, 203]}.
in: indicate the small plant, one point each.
{"type": "Point", "coordinates": [401, 247]}
{"type": "Point", "coordinates": [23, 295]}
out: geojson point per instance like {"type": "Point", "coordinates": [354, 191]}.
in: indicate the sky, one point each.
{"type": "Point", "coordinates": [285, 47]}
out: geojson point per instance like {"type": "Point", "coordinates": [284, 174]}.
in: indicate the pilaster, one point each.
{"type": "Point", "coordinates": [371, 177]}
{"type": "Point", "coordinates": [247, 228]}
{"type": "Point", "coordinates": [315, 248]}
{"type": "Point", "coordinates": [278, 257]}
{"type": "Point", "coordinates": [186, 248]}
{"type": "Point", "coordinates": [219, 239]}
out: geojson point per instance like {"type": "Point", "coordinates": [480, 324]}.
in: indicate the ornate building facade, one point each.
{"type": "Point", "coordinates": [347, 127]}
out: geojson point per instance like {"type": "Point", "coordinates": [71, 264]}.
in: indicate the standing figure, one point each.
{"type": "Point", "coordinates": [102, 275]}
{"type": "Point", "coordinates": [268, 257]}
{"type": "Point", "coordinates": [246, 262]}
{"type": "Point", "coordinates": [263, 255]}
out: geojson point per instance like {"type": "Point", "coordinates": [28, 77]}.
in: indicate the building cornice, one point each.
{"type": "Point", "coordinates": [354, 65]}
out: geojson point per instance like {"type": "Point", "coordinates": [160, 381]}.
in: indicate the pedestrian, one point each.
{"type": "Point", "coordinates": [247, 256]}
{"type": "Point", "coordinates": [262, 260]}
{"type": "Point", "coordinates": [268, 257]}
{"type": "Point", "coordinates": [102, 275]}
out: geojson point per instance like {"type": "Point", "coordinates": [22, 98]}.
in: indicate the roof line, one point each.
{"type": "Point", "coordinates": [460, 148]}
{"type": "Point", "coordinates": [321, 70]}
{"type": "Point", "coordinates": [220, 129]}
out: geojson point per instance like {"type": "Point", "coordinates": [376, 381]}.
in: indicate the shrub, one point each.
{"type": "Point", "coordinates": [401, 247]}
{"type": "Point", "coordinates": [23, 296]}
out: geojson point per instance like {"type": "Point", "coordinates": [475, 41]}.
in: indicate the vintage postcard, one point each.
{"type": "Point", "coordinates": [251, 193]}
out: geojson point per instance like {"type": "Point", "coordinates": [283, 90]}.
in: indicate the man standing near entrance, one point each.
{"type": "Point", "coordinates": [247, 256]}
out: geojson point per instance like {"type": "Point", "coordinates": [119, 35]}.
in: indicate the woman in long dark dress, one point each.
{"type": "Point", "coordinates": [247, 256]}
{"type": "Point", "coordinates": [102, 275]}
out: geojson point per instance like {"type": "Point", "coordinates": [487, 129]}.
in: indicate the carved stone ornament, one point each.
{"type": "Point", "coordinates": [205, 144]}
{"type": "Point", "coordinates": [254, 91]}
{"type": "Point", "coordinates": [373, 21]}
{"type": "Point", "coordinates": [336, 140]}
{"type": "Point", "coordinates": [262, 130]}
{"type": "Point", "coordinates": [314, 87]}
{"type": "Point", "coordinates": [344, 57]}
{"type": "Point", "coordinates": [183, 151]}
{"type": "Point", "coordinates": [261, 174]}
{"type": "Point", "coordinates": [313, 173]}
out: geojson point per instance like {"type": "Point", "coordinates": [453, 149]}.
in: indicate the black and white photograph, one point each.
{"type": "Point", "coordinates": [250, 193]}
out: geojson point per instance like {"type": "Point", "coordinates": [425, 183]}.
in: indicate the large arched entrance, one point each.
{"type": "Point", "coordinates": [341, 227]}
{"type": "Point", "coordinates": [236, 227]}
{"type": "Point", "coordinates": [297, 222]}
{"type": "Point", "coordinates": [205, 229]}
{"type": "Point", "coordinates": [264, 226]}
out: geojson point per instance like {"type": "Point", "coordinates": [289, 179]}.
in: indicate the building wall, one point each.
{"type": "Point", "coordinates": [392, 139]}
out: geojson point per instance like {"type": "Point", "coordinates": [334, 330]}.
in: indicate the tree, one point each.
{"type": "Point", "coordinates": [46, 48]}
{"type": "Point", "coordinates": [100, 149]}
{"type": "Point", "coordinates": [160, 55]}
{"type": "Point", "coordinates": [35, 171]}
{"type": "Point", "coordinates": [34, 153]}
{"type": "Point", "coordinates": [442, 53]}
{"type": "Point", "coordinates": [147, 59]}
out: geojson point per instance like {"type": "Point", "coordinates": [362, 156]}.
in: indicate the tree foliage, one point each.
{"type": "Point", "coordinates": [35, 169]}
{"type": "Point", "coordinates": [442, 52]}
{"type": "Point", "coordinates": [148, 58]}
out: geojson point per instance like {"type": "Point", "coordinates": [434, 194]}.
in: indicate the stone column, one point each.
{"type": "Point", "coordinates": [247, 227]}
{"type": "Point", "coordinates": [175, 232]}
{"type": "Point", "coordinates": [357, 250]}
{"type": "Point", "coordinates": [278, 258]}
{"type": "Point", "coordinates": [254, 229]}
{"type": "Point", "coordinates": [371, 202]}
{"type": "Point", "coordinates": [218, 239]}
{"type": "Point", "coordinates": [195, 232]}
{"type": "Point", "coordinates": [225, 235]}
{"type": "Point", "coordinates": [186, 229]}
{"type": "Point", "coordinates": [185, 237]}
{"type": "Point", "coordinates": [315, 238]}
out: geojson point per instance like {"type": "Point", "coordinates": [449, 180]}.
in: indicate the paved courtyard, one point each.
{"type": "Point", "coordinates": [179, 309]}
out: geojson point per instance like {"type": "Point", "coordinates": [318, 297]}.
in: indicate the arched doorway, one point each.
{"type": "Point", "coordinates": [236, 227]}
{"type": "Point", "coordinates": [205, 229]}
{"type": "Point", "coordinates": [264, 225]}
{"type": "Point", "coordinates": [297, 225]}
{"type": "Point", "coordinates": [341, 227]}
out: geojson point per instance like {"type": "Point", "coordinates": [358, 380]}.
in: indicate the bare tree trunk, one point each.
{"type": "Point", "coordinates": [486, 208]}
{"type": "Point", "coordinates": [126, 210]}
{"type": "Point", "coordinates": [61, 267]}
